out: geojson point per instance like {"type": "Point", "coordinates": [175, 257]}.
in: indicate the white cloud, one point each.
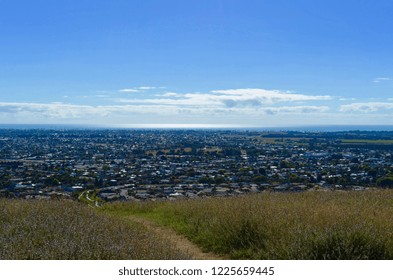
{"type": "Point", "coordinates": [269, 96]}
{"type": "Point", "coordinates": [70, 111]}
{"type": "Point", "coordinates": [382, 79]}
{"type": "Point", "coordinates": [227, 98]}
{"type": "Point", "coordinates": [366, 107]}
{"type": "Point", "coordinates": [170, 94]}
{"type": "Point", "coordinates": [224, 106]}
{"type": "Point", "coordinates": [129, 90]}
{"type": "Point", "coordinates": [295, 110]}
{"type": "Point", "coordinates": [51, 110]}
{"type": "Point", "coordinates": [137, 89]}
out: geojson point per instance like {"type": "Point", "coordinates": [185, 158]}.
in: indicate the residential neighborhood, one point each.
{"type": "Point", "coordinates": [112, 165]}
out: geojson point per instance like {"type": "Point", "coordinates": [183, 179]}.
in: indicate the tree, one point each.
{"type": "Point", "coordinates": [259, 179]}
{"type": "Point", "coordinates": [372, 172]}
{"type": "Point", "coordinates": [262, 171]}
{"type": "Point", "coordinates": [386, 182]}
{"type": "Point", "coordinates": [285, 164]}
{"type": "Point", "coordinates": [219, 180]}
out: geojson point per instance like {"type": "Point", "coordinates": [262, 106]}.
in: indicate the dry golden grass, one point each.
{"type": "Point", "coordinates": [313, 225]}
{"type": "Point", "coordinates": [68, 230]}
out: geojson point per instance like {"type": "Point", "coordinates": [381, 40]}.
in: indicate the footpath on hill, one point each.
{"type": "Point", "coordinates": [179, 241]}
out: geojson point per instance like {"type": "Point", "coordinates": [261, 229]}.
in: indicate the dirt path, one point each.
{"type": "Point", "coordinates": [179, 241]}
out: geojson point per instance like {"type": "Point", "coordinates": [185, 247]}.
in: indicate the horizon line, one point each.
{"type": "Point", "coordinates": [324, 127]}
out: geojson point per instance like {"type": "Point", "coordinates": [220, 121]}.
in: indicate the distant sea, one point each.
{"type": "Point", "coordinates": [321, 128]}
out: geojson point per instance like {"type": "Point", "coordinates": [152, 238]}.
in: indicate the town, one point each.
{"type": "Point", "coordinates": [109, 165]}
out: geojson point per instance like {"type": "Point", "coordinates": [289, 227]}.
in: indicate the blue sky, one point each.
{"type": "Point", "coordinates": [196, 62]}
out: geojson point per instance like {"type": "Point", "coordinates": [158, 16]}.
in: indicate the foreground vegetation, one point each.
{"type": "Point", "coordinates": [312, 225]}
{"type": "Point", "coordinates": [309, 225]}
{"type": "Point", "coordinates": [69, 230]}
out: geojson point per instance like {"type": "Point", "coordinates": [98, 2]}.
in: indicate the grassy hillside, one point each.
{"type": "Point", "coordinates": [314, 225]}
{"type": "Point", "coordinates": [69, 230]}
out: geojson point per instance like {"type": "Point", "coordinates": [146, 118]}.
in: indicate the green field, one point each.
{"type": "Point", "coordinates": [367, 141]}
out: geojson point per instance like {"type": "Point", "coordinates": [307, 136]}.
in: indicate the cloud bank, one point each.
{"type": "Point", "coordinates": [245, 107]}
{"type": "Point", "coordinates": [367, 107]}
{"type": "Point", "coordinates": [228, 98]}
